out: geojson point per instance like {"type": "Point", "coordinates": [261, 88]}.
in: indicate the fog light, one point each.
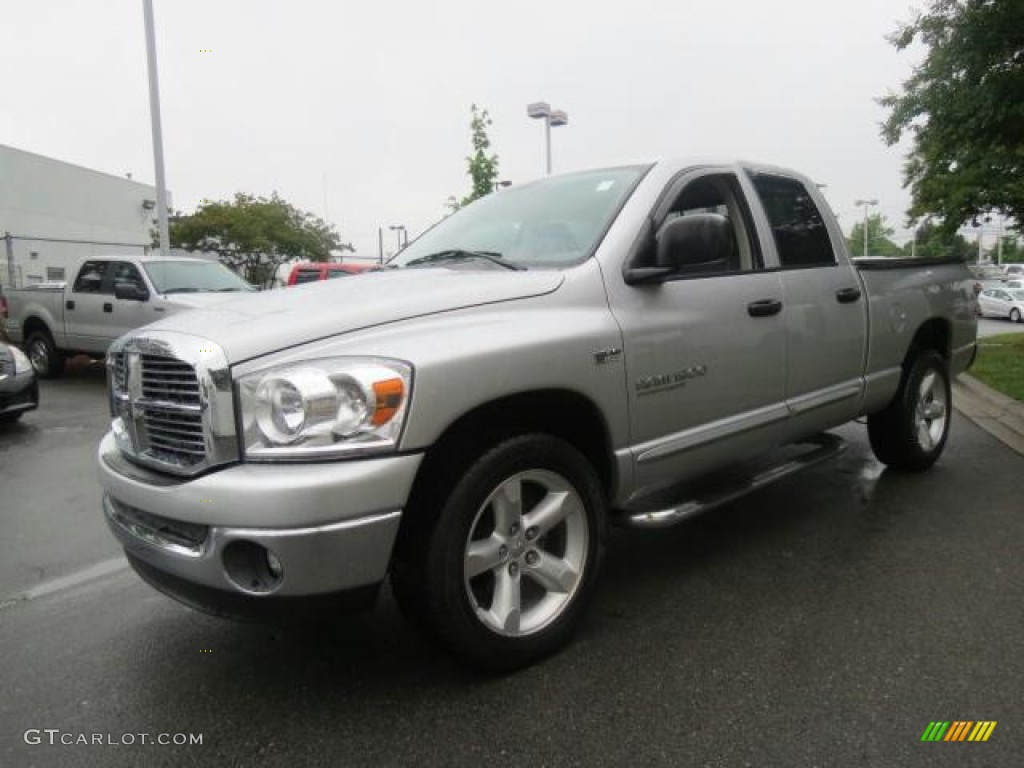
{"type": "Point", "coordinates": [252, 567]}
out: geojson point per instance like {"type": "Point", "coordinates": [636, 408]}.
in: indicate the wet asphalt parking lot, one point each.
{"type": "Point", "coordinates": [824, 621]}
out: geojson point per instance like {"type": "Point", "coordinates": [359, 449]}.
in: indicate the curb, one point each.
{"type": "Point", "coordinates": [999, 415]}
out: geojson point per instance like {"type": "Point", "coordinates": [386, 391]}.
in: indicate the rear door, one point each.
{"type": "Point", "coordinates": [825, 309]}
{"type": "Point", "coordinates": [84, 318]}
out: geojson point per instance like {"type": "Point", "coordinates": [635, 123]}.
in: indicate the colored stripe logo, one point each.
{"type": "Point", "coordinates": [959, 730]}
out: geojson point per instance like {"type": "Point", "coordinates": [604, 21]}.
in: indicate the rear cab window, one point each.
{"type": "Point", "coordinates": [798, 228]}
{"type": "Point", "coordinates": [307, 276]}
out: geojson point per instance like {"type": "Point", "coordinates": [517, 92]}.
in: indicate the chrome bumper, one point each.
{"type": "Point", "coordinates": [261, 530]}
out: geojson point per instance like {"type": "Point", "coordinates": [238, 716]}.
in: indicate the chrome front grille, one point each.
{"type": "Point", "coordinates": [175, 438]}
{"type": "Point", "coordinates": [171, 403]}
{"type": "Point", "coordinates": [169, 381]}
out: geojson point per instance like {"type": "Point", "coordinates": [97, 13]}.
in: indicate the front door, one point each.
{"type": "Point", "coordinates": [125, 314]}
{"type": "Point", "coordinates": [705, 353]}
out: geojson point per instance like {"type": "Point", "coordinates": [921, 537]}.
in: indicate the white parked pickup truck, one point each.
{"type": "Point", "coordinates": [593, 348]}
{"type": "Point", "coordinates": [109, 297]}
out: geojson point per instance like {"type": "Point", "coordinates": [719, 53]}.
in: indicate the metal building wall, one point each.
{"type": "Point", "coordinates": [54, 214]}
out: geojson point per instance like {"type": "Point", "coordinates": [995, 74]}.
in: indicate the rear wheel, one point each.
{"type": "Point", "coordinates": [504, 576]}
{"type": "Point", "coordinates": [47, 360]}
{"type": "Point", "coordinates": [911, 432]}
{"type": "Point", "coordinates": [1015, 315]}
{"type": "Point", "coordinates": [9, 418]}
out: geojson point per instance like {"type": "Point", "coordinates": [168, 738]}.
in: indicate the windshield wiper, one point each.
{"type": "Point", "coordinates": [459, 254]}
{"type": "Point", "coordinates": [181, 290]}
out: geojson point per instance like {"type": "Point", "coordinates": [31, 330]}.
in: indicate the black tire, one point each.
{"type": "Point", "coordinates": [431, 579]}
{"type": "Point", "coordinates": [10, 418]}
{"type": "Point", "coordinates": [1014, 315]}
{"type": "Point", "coordinates": [911, 432]}
{"type": "Point", "coordinates": [46, 359]}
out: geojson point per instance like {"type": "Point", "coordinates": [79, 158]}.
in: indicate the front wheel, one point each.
{"type": "Point", "coordinates": [1014, 315]}
{"type": "Point", "coordinates": [911, 432]}
{"type": "Point", "coordinates": [505, 575]}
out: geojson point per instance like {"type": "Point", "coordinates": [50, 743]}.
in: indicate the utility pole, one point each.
{"type": "Point", "coordinates": [158, 139]}
{"type": "Point", "coordinates": [9, 247]}
{"type": "Point", "coordinates": [866, 204]}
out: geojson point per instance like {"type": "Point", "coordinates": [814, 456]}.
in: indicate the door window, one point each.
{"type": "Point", "coordinates": [798, 228]}
{"type": "Point", "coordinates": [90, 277]}
{"type": "Point", "coordinates": [124, 272]}
{"type": "Point", "coordinates": [719, 195]}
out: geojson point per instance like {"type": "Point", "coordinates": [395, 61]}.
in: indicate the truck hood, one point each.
{"type": "Point", "coordinates": [258, 324]}
{"type": "Point", "coordinates": [198, 300]}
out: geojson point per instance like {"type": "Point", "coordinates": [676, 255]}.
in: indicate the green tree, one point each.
{"type": "Point", "coordinates": [963, 111]}
{"type": "Point", "coordinates": [254, 235]}
{"type": "Point", "coordinates": [934, 241]}
{"type": "Point", "coordinates": [1012, 251]}
{"type": "Point", "coordinates": [879, 233]}
{"type": "Point", "coordinates": [481, 166]}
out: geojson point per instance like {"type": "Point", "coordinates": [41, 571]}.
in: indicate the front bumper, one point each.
{"type": "Point", "coordinates": [258, 532]}
{"type": "Point", "coordinates": [19, 393]}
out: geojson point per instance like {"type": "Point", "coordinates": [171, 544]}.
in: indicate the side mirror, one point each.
{"type": "Point", "coordinates": [130, 291]}
{"type": "Point", "coordinates": [700, 242]}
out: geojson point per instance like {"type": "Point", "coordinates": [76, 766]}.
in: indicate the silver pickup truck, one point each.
{"type": "Point", "coordinates": [109, 297]}
{"type": "Point", "coordinates": [591, 348]}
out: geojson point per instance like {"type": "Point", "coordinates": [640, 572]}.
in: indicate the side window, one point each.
{"type": "Point", "coordinates": [124, 272]}
{"type": "Point", "coordinates": [307, 276]}
{"type": "Point", "coordinates": [720, 195]}
{"type": "Point", "coordinates": [797, 226]}
{"type": "Point", "coordinates": [90, 277]}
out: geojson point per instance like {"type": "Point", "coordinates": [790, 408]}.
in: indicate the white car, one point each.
{"type": "Point", "coordinates": [1014, 271]}
{"type": "Point", "coordinates": [1013, 285]}
{"type": "Point", "coordinates": [1001, 302]}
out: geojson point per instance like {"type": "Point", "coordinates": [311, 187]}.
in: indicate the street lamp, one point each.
{"type": "Point", "coordinates": [541, 110]}
{"type": "Point", "coordinates": [867, 204]}
{"type": "Point", "coordinates": [401, 234]}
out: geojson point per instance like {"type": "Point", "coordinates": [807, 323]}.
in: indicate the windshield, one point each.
{"type": "Point", "coordinates": [554, 222]}
{"type": "Point", "coordinates": [193, 277]}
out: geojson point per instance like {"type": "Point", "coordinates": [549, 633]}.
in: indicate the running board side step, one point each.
{"type": "Point", "coordinates": [820, 448]}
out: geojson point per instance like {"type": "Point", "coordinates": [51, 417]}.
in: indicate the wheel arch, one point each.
{"type": "Point", "coordinates": [934, 334]}
{"type": "Point", "coordinates": [562, 413]}
{"type": "Point", "coordinates": [32, 324]}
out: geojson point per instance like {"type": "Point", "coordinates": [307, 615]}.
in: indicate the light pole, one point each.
{"type": "Point", "coordinates": [401, 234]}
{"type": "Point", "coordinates": [541, 110]}
{"type": "Point", "coordinates": [867, 204]}
{"type": "Point", "coordinates": [158, 141]}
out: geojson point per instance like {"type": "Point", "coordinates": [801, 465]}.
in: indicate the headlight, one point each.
{"type": "Point", "coordinates": [330, 408]}
{"type": "Point", "coordinates": [21, 363]}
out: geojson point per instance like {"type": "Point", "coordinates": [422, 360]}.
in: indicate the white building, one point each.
{"type": "Point", "coordinates": [54, 214]}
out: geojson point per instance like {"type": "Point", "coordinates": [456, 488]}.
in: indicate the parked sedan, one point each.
{"type": "Point", "coordinates": [999, 302]}
{"type": "Point", "coordinates": [19, 390]}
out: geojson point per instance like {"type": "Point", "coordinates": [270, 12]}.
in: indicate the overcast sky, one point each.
{"type": "Point", "coordinates": [368, 102]}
